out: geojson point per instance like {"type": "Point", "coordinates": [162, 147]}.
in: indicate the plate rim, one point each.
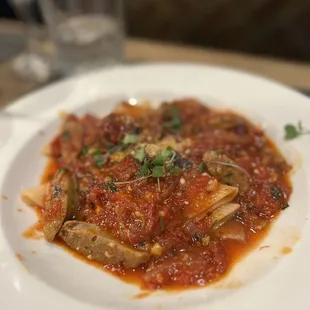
{"type": "Point", "coordinates": [26, 100]}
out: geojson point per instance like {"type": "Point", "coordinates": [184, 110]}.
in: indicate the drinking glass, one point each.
{"type": "Point", "coordinates": [87, 34]}
{"type": "Point", "coordinates": [35, 63]}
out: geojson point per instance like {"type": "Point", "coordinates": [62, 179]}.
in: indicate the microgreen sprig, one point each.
{"type": "Point", "coordinates": [162, 164]}
{"type": "Point", "coordinates": [292, 131]}
{"type": "Point", "coordinates": [99, 158]}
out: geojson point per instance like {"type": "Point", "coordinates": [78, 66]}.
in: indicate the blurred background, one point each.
{"type": "Point", "coordinates": [44, 40]}
{"type": "Point", "coordinates": [278, 28]}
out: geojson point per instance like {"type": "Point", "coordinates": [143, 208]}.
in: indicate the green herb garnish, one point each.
{"type": "Point", "coordinates": [158, 172]}
{"type": "Point", "coordinates": [175, 170]}
{"type": "Point", "coordinates": [144, 170]}
{"type": "Point", "coordinates": [96, 152]}
{"type": "Point", "coordinates": [202, 167]}
{"type": "Point", "coordinates": [284, 206]}
{"type": "Point", "coordinates": [98, 158]}
{"type": "Point", "coordinates": [292, 131]}
{"type": "Point", "coordinates": [99, 162]}
{"type": "Point", "coordinates": [276, 193]}
{"type": "Point", "coordinates": [140, 155]}
{"type": "Point", "coordinates": [112, 187]}
{"type": "Point", "coordinates": [130, 139]}
{"type": "Point", "coordinates": [163, 164]}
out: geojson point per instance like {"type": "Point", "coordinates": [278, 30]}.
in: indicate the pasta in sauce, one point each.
{"type": "Point", "coordinates": [167, 197]}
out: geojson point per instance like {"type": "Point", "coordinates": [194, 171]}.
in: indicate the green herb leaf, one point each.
{"type": "Point", "coordinates": [286, 205]}
{"type": "Point", "coordinates": [112, 187]}
{"type": "Point", "coordinates": [144, 170]}
{"type": "Point", "coordinates": [162, 223]}
{"type": "Point", "coordinates": [202, 167]}
{"type": "Point", "coordinates": [159, 159]}
{"type": "Point", "coordinates": [175, 170]}
{"type": "Point", "coordinates": [130, 139]}
{"type": "Point", "coordinates": [96, 153]}
{"type": "Point", "coordinates": [140, 155]}
{"type": "Point", "coordinates": [167, 152]}
{"type": "Point", "coordinates": [99, 162]}
{"type": "Point", "coordinates": [276, 193]}
{"type": "Point", "coordinates": [157, 172]}
{"type": "Point", "coordinates": [163, 156]}
{"type": "Point", "coordinates": [291, 132]}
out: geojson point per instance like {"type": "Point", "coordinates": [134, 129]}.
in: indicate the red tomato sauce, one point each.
{"type": "Point", "coordinates": [162, 212]}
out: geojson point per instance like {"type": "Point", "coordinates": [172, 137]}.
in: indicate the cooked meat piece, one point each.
{"type": "Point", "coordinates": [92, 242]}
{"type": "Point", "coordinates": [61, 203]}
{"type": "Point", "coordinates": [226, 170]}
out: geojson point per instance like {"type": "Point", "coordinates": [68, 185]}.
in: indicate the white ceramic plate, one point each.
{"type": "Point", "coordinates": [52, 279]}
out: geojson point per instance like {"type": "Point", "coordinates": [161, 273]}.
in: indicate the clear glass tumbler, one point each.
{"type": "Point", "coordinates": [35, 63]}
{"type": "Point", "coordinates": [87, 33]}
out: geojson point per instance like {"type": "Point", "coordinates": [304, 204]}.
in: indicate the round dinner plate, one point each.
{"type": "Point", "coordinates": [37, 275]}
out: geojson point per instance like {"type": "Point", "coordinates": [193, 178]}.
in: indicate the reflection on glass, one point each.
{"type": "Point", "coordinates": [35, 62]}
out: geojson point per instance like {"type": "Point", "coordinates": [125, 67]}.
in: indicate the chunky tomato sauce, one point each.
{"type": "Point", "coordinates": [183, 191]}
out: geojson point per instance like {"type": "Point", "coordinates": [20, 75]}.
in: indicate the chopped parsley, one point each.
{"type": "Point", "coordinates": [293, 131]}
{"type": "Point", "coordinates": [98, 158]}
{"type": "Point", "coordinates": [276, 193]}
{"type": "Point", "coordinates": [112, 187]}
